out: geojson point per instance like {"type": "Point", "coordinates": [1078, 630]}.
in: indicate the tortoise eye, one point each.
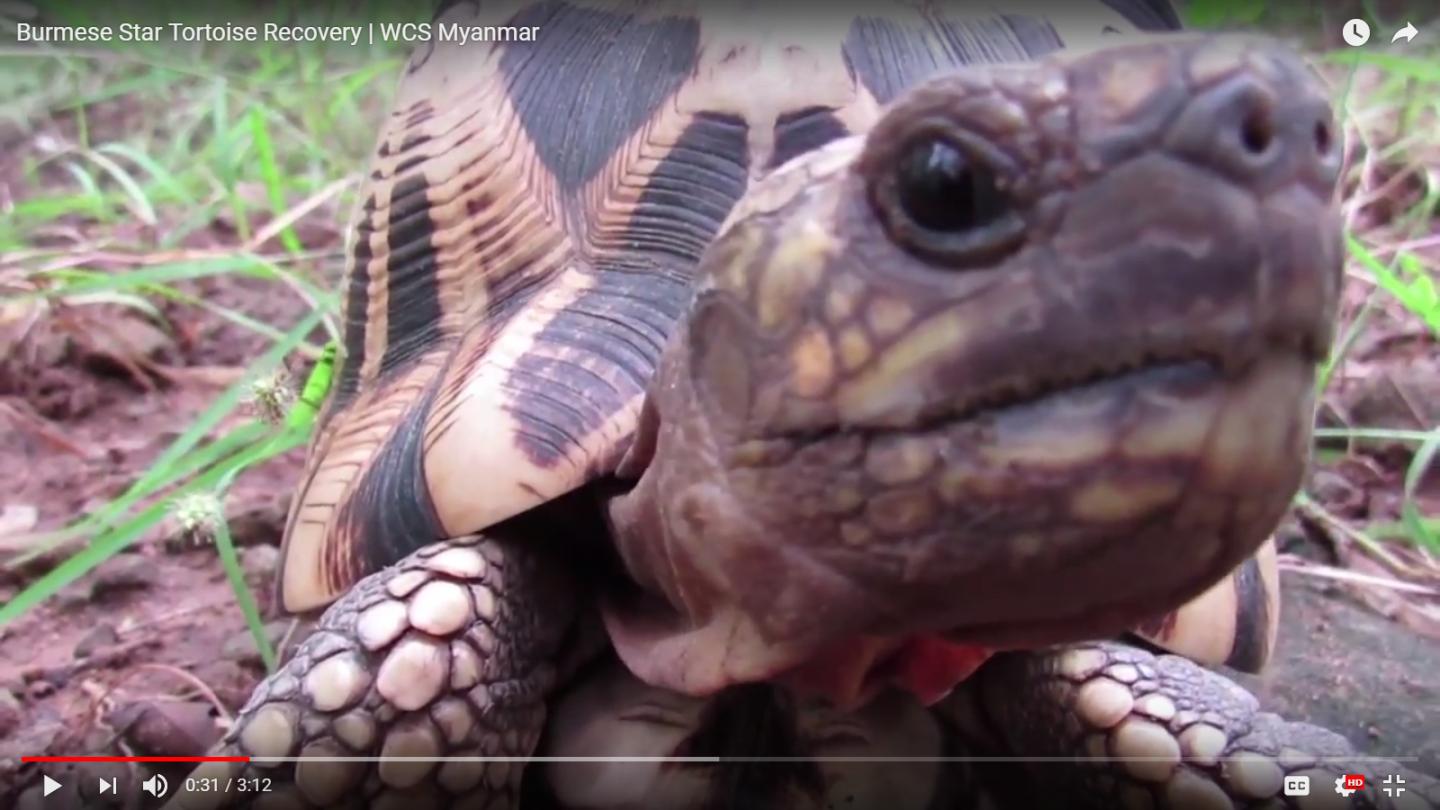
{"type": "Point", "coordinates": [941, 190]}
{"type": "Point", "coordinates": [941, 202]}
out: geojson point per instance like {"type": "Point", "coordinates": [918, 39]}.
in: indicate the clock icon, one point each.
{"type": "Point", "coordinates": [1356, 32]}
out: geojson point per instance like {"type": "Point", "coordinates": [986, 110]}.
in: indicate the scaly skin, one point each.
{"type": "Point", "coordinates": [1155, 731]}
{"type": "Point", "coordinates": [451, 652]}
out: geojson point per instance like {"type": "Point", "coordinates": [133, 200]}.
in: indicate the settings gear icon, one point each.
{"type": "Point", "coordinates": [1341, 789]}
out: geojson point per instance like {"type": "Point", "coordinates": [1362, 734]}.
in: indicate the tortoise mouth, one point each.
{"type": "Point", "coordinates": [1084, 507]}
{"type": "Point", "coordinates": [1141, 368]}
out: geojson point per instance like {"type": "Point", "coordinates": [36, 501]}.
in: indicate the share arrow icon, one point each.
{"type": "Point", "coordinates": [50, 786]}
{"type": "Point", "coordinates": [1407, 33]}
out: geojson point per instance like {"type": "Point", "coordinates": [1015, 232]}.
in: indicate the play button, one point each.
{"type": "Point", "coordinates": [50, 786]}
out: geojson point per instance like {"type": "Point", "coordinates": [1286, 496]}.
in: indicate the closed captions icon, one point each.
{"type": "Point", "coordinates": [1297, 786]}
{"type": "Point", "coordinates": [1356, 32]}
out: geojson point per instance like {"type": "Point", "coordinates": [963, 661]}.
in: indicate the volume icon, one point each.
{"type": "Point", "coordinates": [155, 786]}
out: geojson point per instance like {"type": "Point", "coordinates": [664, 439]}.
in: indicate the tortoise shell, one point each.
{"type": "Point", "coordinates": [530, 228]}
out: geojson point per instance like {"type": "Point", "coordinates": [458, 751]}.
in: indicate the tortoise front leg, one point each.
{"type": "Point", "coordinates": [1152, 731]}
{"type": "Point", "coordinates": [450, 652]}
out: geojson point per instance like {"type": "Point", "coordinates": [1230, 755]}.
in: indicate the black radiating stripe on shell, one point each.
{"type": "Point", "coordinates": [1002, 38]}
{"type": "Point", "coordinates": [1037, 37]}
{"type": "Point", "coordinates": [1252, 634]}
{"type": "Point", "coordinates": [800, 131]}
{"type": "Point", "coordinates": [890, 56]}
{"type": "Point", "coordinates": [690, 192]}
{"type": "Point", "coordinates": [412, 322]}
{"type": "Point", "coordinates": [595, 355]}
{"type": "Point", "coordinates": [409, 163]}
{"type": "Point", "coordinates": [357, 309]}
{"type": "Point", "coordinates": [1147, 15]}
{"type": "Point", "coordinates": [609, 339]}
{"type": "Point", "coordinates": [389, 513]}
{"type": "Point", "coordinates": [591, 79]}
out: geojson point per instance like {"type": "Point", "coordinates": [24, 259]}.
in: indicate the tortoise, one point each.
{"type": "Point", "coordinates": [717, 389]}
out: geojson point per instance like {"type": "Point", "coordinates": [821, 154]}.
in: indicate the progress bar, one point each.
{"type": "Point", "coordinates": [716, 760]}
{"type": "Point", "coordinates": [135, 759]}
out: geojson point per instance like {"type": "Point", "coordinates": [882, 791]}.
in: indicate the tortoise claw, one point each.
{"type": "Point", "coordinates": [1145, 731]}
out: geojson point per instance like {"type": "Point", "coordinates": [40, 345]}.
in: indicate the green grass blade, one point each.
{"type": "Point", "coordinates": [234, 316]}
{"type": "Point", "coordinates": [140, 203]}
{"type": "Point", "coordinates": [138, 303]}
{"type": "Point", "coordinates": [271, 175]}
{"type": "Point", "coordinates": [1395, 65]}
{"type": "Point", "coordinates": [1398, 528]}
{"type": "Point", "coordinates": [1222, 13]}
{"type": "Point", "coordinates": [1375, 434]}
{"type": "Point", "coordinates": [1419, 293]}
{"type": "Point", "coordinates": [1410, 515]}
{"type": "Point", "coordinates": [1346, 342]}
{"type": "Point", "coordinates": [86, 181]}
{"type": "Point", "coordinates": [49, 208]}
{"type": "Point", "coordinates": [230, 561]}
{"type": "Point", "coordinates": [152, 80]}
{"type": "Point", "coordinates": [344, 97]}
{"type": "Point", "coordinates": [164, 178]}
{"type": "Point", "coordinates": [79, 281]}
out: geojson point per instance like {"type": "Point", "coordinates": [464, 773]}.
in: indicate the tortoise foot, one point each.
{"type": "Point", "coordinates": [1125, 728]}
{"type": "Point", "coordinates": [447, 653]}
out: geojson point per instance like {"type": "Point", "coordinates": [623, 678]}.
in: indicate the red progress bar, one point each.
{"type": "Point", "coordinates": [134, 759]}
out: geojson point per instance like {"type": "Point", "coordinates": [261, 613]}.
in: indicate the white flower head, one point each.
{"type": "Point", "coordinates": [272, 396]}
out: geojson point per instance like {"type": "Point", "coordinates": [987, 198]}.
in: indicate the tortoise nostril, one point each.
{"type": "Point", "coordinates": [1322, 138]}
{"type": "Point", "coordinates": [1257, 131]}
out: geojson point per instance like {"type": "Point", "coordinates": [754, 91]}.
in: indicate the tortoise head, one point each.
{"type": "Point", "coordinates": [1032, 361]}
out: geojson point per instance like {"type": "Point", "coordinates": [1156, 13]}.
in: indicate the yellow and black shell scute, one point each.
{"type": "Point", "coordinates": [536, 206]}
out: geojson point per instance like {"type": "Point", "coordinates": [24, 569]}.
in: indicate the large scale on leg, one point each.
{"type": "Point", "coordinates": [792, 370]}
